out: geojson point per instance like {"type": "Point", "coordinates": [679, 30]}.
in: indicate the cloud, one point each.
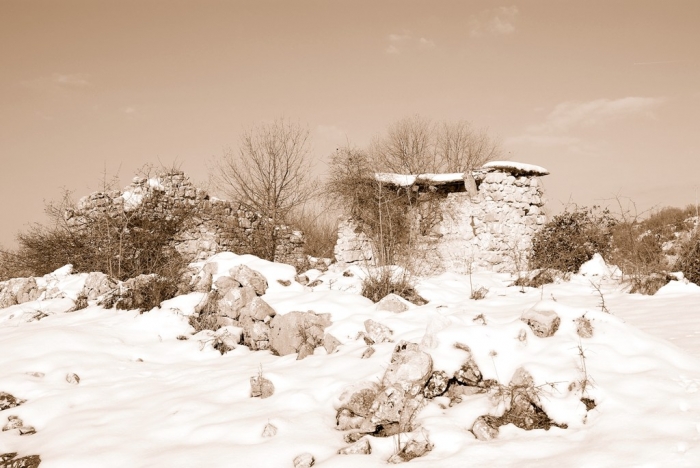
{"type": "Point", "coordinates": [496, 21]}
{"type": "Point", "coordinates": [562, 123]}
{"type": "Point", "coordinates": [570, 114]}
{"type": "Point", "coordinates": [399, 43]}
{"type": "Point", "coordinates": [58, 81]}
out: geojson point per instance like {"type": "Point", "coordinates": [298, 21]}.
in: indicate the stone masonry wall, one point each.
{"type": "Point", "coordinates": [216, 225]}
{"type": "Point", "coordinates": [491, 229]}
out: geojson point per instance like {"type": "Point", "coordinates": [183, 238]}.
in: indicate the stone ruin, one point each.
{"type": "Point", "coordinates": [483, 220]}
{"type": "Point", "coordinates": [215, 225]}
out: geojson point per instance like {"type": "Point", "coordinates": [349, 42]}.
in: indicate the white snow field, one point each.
{"type": "Point", "coordinates": [147, 399]}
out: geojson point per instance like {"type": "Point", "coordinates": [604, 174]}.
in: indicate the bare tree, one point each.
{"type": "Point", "coordinates": [414, 145]}
{"type": "Point", "coordinates": [460, 148]}
{"type": "Point", "coordinates": [407, 147]}
{"type": "Point", "coordinates": [270, 173]}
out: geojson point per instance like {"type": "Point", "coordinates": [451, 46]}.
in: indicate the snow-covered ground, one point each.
{"type": "Point", "coordinates": [147, 399]}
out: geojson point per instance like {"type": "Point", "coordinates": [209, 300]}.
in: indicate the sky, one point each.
{"type": "Point", "coordinates": [604, 94]}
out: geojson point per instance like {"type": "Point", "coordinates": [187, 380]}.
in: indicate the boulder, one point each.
{"type": "Point", "coordinates": [256, 334]}
{"type": "Point", "coordinates": [235, 300]}
{"type": "Point", "coordinates": [18, 291]}
{"type": "Point", "coordinates": [358, 398]}
{"type": "Point", "coordinates": [416, 447]}
{"type": "Point", "coordinates": [291, 332]}
{"type": "Point", "coordinates": [410, 368]}
{"type": "Point", "coordinates": [544, 323]}
{"type": "Point", "coordinates": [437, 385]}
{"type": "Point", "coordinates": [97, 284]}
{"type": "Point", "coordinates": [258, 309]}
{"type": "Point", "coordinates": [224, 284]}
{"type": "Point", "coordinates": [485, 428]}
{"type": "Point", "coordinates": [377, 332]}
{"type": "Point", "coordinates": [305, 460]}
{"type": "Point", "coordinates": [331, 343]}
{"type": "Point", "coordinates": [393, 303]}
{"type": "Point", "coordinates": [269, 430]}
{"type": "Point", "coordinates": [8, 401]}
{"type": "Point", "coordinates": [361, 447]}
{"type": "Point", "coordinates": [246, 276]}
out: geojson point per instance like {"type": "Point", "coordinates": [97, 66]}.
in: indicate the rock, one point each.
{"type": "Point", "coordinates": [235, 300]}
{"type": "Point", "coordinates": [246, 276]}
{"type": "Point", "coordinates": [584, 327]}
{"type": "Point", "coordinates": [98, 284]}
{"type": "Point", "coordinates": [8, 401]}
{"type": "Point", "coordinates": [393, 303]}
{"type": "Point", "coordinates": [256, 334]}
{"type": "Point", "coordinates": [261, 387]}
{"type": "Point", "coordinates": [72, 379]}
{"type": "Point", "coordinates": [305, 460]}
{"type": "Point", "coordinates": [346, 420]}
{"type": "Point", "coordinates": [377, 332]}
{"type": "Point", "coordinates": [331, 343]}
{"type": "Point", "coordinates": [18, 291]}
{"type": "Point", "coordinates": [269, 430]}
{"type": "Point", "coordinates": [414, 448]}
{"type": "Point", "coordinates": [469, 373]}
{"type": "Point", "coordinates": [485, 428]}
{"type": "Point", "coordinates": [294, 330]}
{"type": "Point", "coordinates": [358, 398]}
{"type": "Point", "coordinates": [544, 323]}
{"type": "Point", "coordinates": [367, 353]}
{"type": "Point", "coordinates": [302, 279]}
{"type": "Point", "coordinates": [225, 283]}
{"type": "Point", "coordinates": [410, 368]}
{"type": "Point", "coordinates": [15, 423]}
{"type": "Point", "coordinates": [258, 309]}
{"type": "Point", "coordinates": [361, 447]}
{"type": "Point", "coordinates": [437, 385]}
{"type": "Point", "coordinates": [9, 460]}
{"type": "Point", "coordinates": [352, 437]}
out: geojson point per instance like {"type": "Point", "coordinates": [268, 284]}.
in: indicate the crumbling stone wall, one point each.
{"type": "Point", "coordinates": [488, 224]}
{"type": "Point", "coordinates": [215, 225]}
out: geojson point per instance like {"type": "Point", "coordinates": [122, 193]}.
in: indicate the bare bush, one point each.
{"type": "Point", "coordinates": [689, 259]}
{"type": "Point", "coordinates": [383, 281]}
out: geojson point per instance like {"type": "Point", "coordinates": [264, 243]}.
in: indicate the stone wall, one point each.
{"type": "Point", "coordinates": [485, 223]}
{"type": "Point", "coordinates": [215, 225]}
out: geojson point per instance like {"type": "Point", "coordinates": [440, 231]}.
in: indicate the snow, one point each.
{"type": "Point", "coordinates": [517, 166]}
{"type": "Point", "coordinates": [596, 266]}
{"type": "Point", "coordinates": [148, 399]}
{"type": "Point", "coordinates": [401, 180]}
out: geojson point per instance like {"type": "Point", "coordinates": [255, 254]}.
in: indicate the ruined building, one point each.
{"type": "Point", "coordinates": [483, 220]}
{"type": "Point", "coordinates": [214, 226]}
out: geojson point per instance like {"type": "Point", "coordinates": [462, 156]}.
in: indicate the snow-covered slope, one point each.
{"type": "Point", "coordinates": [148, 399]}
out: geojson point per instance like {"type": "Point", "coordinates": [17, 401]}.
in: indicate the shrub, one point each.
{"type": "Point", "coordinates": [383, 281]}
{"type": "Point", "coordinates": [571, 238]}
{"type": "Point", "coordinates": [121, 242]}
{"type": "Point", "coordinates": [320, 228]}
{"type": "Point", "coordinates": [689, 259]}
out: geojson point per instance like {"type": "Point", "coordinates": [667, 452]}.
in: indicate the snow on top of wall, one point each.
{"type": "Point", "coordinates": [518, 167]}
{"type": "Point", "coordinates": [403, 180]}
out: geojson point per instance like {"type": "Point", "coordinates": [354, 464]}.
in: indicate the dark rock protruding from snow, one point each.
{"type": "Point", "coordinates": [8, 401]}
{"type": "Point", "coordinates": [305, 460]}
{"type": "Point", "coordinates": [416, 447]}
{"type": "Point", "coordinates": [10, 460]}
